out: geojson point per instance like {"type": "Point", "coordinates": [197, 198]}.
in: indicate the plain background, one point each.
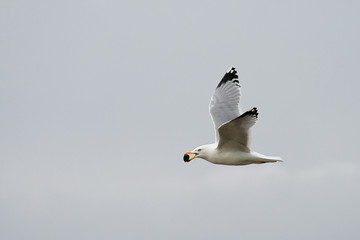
{"type": "Point", "coordinates": [100, 99]}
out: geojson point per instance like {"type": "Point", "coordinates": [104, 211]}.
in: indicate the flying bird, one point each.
{"type": "Point", "coordinates": [232, 127]}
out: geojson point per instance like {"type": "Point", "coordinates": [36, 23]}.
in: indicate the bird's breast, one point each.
{"type": "Point", "coordinates": [230, 157]}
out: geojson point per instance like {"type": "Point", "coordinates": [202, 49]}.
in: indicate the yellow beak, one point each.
{"type": "Point", "coordinates": [187, 157]}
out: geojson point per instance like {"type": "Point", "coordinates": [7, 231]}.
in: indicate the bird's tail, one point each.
{"type": "Point", "coordinates": [273, 159]}
{"type": "Point", "coordinates": [264, 159]}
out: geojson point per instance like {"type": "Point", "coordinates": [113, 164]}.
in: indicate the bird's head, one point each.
{"type": "Point", "coordinates": [200, 152]}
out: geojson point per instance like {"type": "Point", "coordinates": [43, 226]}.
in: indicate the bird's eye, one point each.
{"type": "Point", "coordinates": [199, 149]}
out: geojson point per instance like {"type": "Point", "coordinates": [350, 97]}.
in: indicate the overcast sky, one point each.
{"type": "Point", "coordinates": [99, 100]}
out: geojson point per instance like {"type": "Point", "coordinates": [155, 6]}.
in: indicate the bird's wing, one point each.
{"type": "Point", "coordinates": [225, 103]}
{"type": "Point", "coordinates": [235, 134]}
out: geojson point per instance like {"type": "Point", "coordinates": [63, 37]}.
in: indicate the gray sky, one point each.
{"type": "Point", "coordinates": [100, 99]}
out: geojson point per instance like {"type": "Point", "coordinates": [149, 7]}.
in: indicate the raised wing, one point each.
{"type": "Point", "coordinates": [235, 134]}
{"type": "Point", "coordinates": [225, 103]}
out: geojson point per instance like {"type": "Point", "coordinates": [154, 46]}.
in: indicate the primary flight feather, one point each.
{"type": "Point", "coordinates": [231, 145]}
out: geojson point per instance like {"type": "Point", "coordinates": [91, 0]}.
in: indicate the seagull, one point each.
{"type": "Point", "coordinates": [231, 145]}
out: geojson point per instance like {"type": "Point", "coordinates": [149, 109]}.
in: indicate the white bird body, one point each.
{"type": "Point", "coordinates": [213, 154]}
{"type": "Point", "coordinates": [232, 128]}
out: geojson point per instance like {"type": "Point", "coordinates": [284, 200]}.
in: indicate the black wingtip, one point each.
{"type": "Point", "coordinates": [253, 112]}
{"type": "Point", "coordinates": [230, 75]}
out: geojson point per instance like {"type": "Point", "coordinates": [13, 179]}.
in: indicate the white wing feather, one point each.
{"type": "Point", "coordinates": [235, 134]}
{"type": "Point", "coordinates": [225, 103]}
